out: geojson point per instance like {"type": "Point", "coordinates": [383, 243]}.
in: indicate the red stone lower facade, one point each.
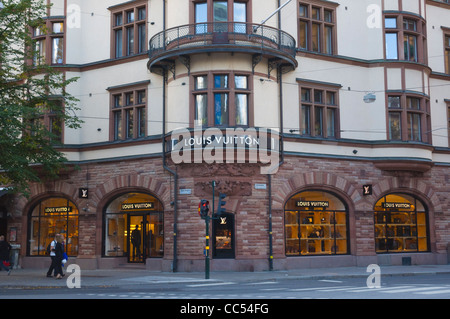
{"type": "Point", "coordinates": [312, 213]}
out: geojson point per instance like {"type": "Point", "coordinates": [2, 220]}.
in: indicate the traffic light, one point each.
{"type": "Point", "coordinates": [203, 208]}
{"type": "Point", "coordinates": [221, 210]}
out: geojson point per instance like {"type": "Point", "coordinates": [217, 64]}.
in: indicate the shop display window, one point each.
{"type": "Point", "coordinates": [316, 224]}
{"type": "Point", "coordinates": [400, 224]}
{"type": "Point", "coordinates": [133, 227]}
{"type": "Point", "coordinates": [49, 217]}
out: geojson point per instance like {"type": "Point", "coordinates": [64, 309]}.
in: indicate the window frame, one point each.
{"type": "Point", "coordinates": [44, 33]}
{"type": "Point", "coordinates": [135, 25]}
{"type": "Point", "coordinates": [386, 227]}
{"type": "Point", "coordinates": [210, 91]}
{"type": "Point", "coordinates": [313, 105]}
{"type": "Point", "coordinates": [309, 219]}
{"type": "Point", "coordinates": [446, 35]}
{"type": "Point", "coordinates": [403, 35]}
{"type": "Point", "coordinates": [321, 23]}
{"type": "Point", "coordinates": [406, 113]}
{"type": "Point", "coordinates": [210, 10]}
{"type": "Point", "coordinates": [122, 112]}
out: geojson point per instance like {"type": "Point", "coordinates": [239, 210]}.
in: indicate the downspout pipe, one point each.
{"type": "Point", "coordinates": [269, 176]}
{"type": "Point", "coordinates": [167, 168]}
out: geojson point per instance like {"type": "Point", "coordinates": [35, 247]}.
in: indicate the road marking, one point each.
{"type": "Point", "coordinates": [326, 280]}
{"type": "Point", "coordinates": [396, 290]}
{"type": "Point", "coordinates": [445, 291]}
{"type": "Point", "coordinates": [322, 288]}
{"type": "Point", "coordinates": [212, 284]}
{"type": "Point", "coordinates": [366, 289]}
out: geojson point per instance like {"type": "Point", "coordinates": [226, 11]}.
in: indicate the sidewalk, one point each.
{"type": "Point", "coordinates": [36, 278]}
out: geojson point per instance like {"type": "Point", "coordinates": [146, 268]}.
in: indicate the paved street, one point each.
{"type": "Point", "coordinates": [425, 282]}
{"type": "Point", "coordinates": [403, 287]}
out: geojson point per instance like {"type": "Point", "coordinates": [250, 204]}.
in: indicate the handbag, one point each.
{"type": "Point", "coordinates": [6, 263]}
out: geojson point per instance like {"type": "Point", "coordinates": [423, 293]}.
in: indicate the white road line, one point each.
{"type": "Point", "coordinates": [394, 291]}
{"type": "Point", "coordinates": [322, 288]}
{"type": "Point", "coordinates": [366, 289]}
{"type": "Point", "coordinates": [212, 284]}
{"type": "Point", "coordinates": [326, 280]}
{"type": "Point", "coordinates": [445, 291]}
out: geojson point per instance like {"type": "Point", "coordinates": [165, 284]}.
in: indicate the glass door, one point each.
{"type": "Point", "coordinates": [136, 238]}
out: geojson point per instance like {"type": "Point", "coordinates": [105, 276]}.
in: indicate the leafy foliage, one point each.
{"type": "Point", "coordinates": [34, 104]}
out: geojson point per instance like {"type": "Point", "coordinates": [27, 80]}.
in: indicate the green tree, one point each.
{"type": "Point", "coordinates": [34, 103]}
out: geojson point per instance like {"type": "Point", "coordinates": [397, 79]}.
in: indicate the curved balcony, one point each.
{"type": "Point", "coordinates": [234, 37]}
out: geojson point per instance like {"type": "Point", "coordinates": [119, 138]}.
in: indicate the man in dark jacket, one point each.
{"type": "Point", "coordinates": [5, 248]}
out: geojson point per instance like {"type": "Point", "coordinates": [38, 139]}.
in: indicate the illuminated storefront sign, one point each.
{"type": "Point", "coordinates": [135, 206]}
{"type": "Point", "coordinates": [50, 210]}
{"type": "Point", "coordinates": [312, 204]}
{"type": "Point", "coordinates": [396, 205]}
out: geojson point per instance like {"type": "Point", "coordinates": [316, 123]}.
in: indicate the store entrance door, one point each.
{"type": "Point", "coordinates": [144, 236]}
{"type": "Point", "coordinates": [137, 238]}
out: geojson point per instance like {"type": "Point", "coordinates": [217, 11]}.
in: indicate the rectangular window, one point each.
{"type": "Point", "coordinates": [331, 120]}
{"type": "Point", "coordinates": [130, 41]}
{"type": "Point", "coordinates": [391, 46]}
{"type": "Point", "coordinates": [414, 129]}
{"type": "Point", "coordinates": [241, 109]}
{"type": "Point", "coordinates": [447, 54]}
{"type": "Point", "coordinates": [39, 57]}
{"type": "Point", "coordinates": [395, 128]}
{"type": "Point", "coordinates": [48, 42]}
{"type": "Point", "coordinates": [130, 31]}
{"type": "Point", "coordinates": [328, 40]}
{"type": "Point", "coordinates": [413, 103]}
{"type": "Point", "coordinates": [201, 110]}
{"type": "Point", "coordinates": [394, 102]}
{"type": "Point", "coordinates": [305, 127]}
{"type": "Point", "coordinates": [129, 114]}
{"type": "Point", "coordinates": [220, 109]}
{"type": "Point", "coordinates": [142, 45]}
{"type": "Point", "coordinates": [57, 50]}
{"type": "Point", "coordinates": [315, 36]}
{"type": "Point", "coordinates": [119, 43]}
{"type": "Point", "coordinates": [303, 35]}
{"type": "Point", "coordinates": [316, 28]}
{"type": "Point", "coordinates": [390, 23]}
{"type": "Point", "coordinates": [410, 47]}
{"type": "Point", "coordinates": [240, 15]}
{"type": "Point", "coordinates": [319, 112]}
{"type": "Point", "coordinates": [117, 125]}
{"type": "Point", "coordinates": [318, 121]}
{"type": "Point", "coordinates": [201, 16]}
{"type": "Point", "coordinates": [220, 16]}
{"type": "Point", "coordinates": [226, 100]}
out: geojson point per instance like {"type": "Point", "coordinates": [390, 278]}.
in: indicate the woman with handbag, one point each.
{"type": "Point", "coordinates": [5, 248]}
{"type": "Point", "coordinates": [59, 253]}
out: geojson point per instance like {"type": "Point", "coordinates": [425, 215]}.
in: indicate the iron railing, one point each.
{"type": "Point", "coordinates": [230, 36]}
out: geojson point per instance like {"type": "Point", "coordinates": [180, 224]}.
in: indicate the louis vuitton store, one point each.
{"type": "Point", "coordinates": [133, 228]}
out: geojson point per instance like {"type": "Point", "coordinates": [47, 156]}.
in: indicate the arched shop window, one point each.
{"type": "Point", "coordinates": [133, 227]}
{"type": "Point", "coordinates": [316, 224]}
{"type": "Point", "coordinates": [400, 224]}
{"type": "Point", "coordinates": [55, 215]}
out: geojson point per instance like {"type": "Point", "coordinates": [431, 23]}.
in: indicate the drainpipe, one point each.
{"type": "Point", "coordinates": [167, 168]}
{"type": "Point", "coordinates": [269, 176]}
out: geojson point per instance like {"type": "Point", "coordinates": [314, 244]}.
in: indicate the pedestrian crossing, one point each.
{"type": "Point", "coordinates": [273, 290]}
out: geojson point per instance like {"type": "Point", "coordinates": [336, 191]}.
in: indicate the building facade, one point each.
{"type": "Point", "coordinates": [325, 124]}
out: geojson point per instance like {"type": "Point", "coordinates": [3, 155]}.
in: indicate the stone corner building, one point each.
{"type": "Point", "coordinates": [347, 102]}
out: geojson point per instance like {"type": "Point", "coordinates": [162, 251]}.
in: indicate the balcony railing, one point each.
{"type": "Point", "coordinates": [224, 37]}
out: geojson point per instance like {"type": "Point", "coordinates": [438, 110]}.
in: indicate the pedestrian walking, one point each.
{"type": "Point", "coordinates": [59, 256]}
{"type": "Point", "coordinates": [51, 252]}
{"type": "Point", "coordinates": [5, 248]}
